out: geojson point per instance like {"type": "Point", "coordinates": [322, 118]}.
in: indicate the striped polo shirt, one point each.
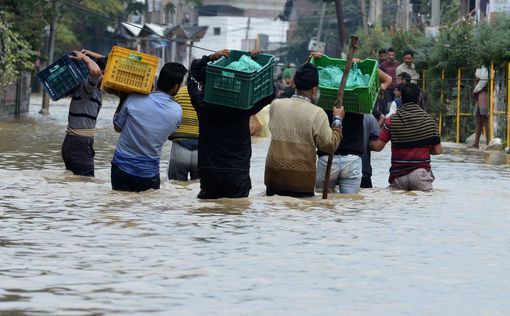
{"type": "Point", "coordinates": [189, 124]}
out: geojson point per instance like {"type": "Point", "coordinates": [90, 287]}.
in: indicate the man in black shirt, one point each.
{"type": "Point", "coordinates": [346, 167]}
{"type": "Point", "coordinates": [224, 144]}
{"type": "Point", "coordinates": [346, 170]}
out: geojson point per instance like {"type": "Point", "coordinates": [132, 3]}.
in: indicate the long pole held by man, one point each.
{"type": "Point", "coordinates": [338, 104]}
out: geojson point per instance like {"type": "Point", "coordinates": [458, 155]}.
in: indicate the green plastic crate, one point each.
{"type": "Point", "coordinates": [356, 100]}
{"type": "Point", "coordinates": [235, 88]}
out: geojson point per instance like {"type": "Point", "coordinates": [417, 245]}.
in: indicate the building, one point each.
{"type": "Point", "coordinates": [254, 9]}
{"type": "Point", "coordinates": [241, 33]}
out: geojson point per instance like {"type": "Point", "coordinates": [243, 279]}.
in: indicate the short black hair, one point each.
{"type": "Point", "coordinates": [101, 62]}
{"type": "Point", "coordinates": [170, 75]}
{"type": "Point", "coordinates": [382, 51]}
{"type": "Point", "coordinates": [408, 52]}
{"type": "Point", "coordinates": [197, 70]}
{"type": "Point", "coordinates": [400, 87]}
{"type": "Point", "coordinates": [410, 93]}
{"type": "Point", "coordinates": [405, 76]}
{"type": "Point", "coordinates": [391, 50]}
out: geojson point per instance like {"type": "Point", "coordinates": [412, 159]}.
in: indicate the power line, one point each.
{"type": "Point", "coordinates": [131, 24]}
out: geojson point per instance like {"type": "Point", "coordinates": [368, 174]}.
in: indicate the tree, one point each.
{"type": "Point", "coordinates": [493, 39]}
{"type": "Point", "coordinates": [21, 35]}
{"type": "Point", "coordinates": [16, 53]}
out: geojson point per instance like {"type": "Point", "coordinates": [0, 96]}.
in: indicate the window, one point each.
{"type": "Point", "coordinates": [217, 31]}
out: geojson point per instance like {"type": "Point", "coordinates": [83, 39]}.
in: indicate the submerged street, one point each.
{"type": "Point", "coordinates": [71, 246]}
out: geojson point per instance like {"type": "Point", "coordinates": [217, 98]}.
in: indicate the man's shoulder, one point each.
{"type": "Point", "coordinates": [402, 67]}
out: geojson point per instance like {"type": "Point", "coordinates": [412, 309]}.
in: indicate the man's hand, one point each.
{"type": "Point", "coordinates": [255, 52]}
{"type": "Point", "coordinates": [219, 54]}
{"type": "Point", "coordinates": [93, 68]}
{"type": "Point", "coordinates": [76, 55]}
{"type": "Point", "coordinates": [255, 126]}
{"type": "Point", "coordinates": [339, 112]}
{"type": "Point", "coordinates": [314, 55]}
{"type": "Point", "coordinates": [91, 54]}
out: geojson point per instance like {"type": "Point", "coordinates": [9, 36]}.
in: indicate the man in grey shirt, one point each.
{"type": "Point", "coordinates": [77, 148]}
{"type": "Point", "coordinates": [371, 131]}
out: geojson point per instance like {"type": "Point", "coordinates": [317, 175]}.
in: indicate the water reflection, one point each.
{"type": "Point", "coordinates": [71, 246]}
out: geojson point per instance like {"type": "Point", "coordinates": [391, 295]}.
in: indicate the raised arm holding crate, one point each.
{"type": "Point", "coordinates": [77, 148]}
{"type": "Point", "coordinates": [224, 147]}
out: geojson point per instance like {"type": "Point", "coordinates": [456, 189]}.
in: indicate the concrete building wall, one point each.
{"type": "Point", "coordinates": [15, 97]}
{"type": "Point", "coordinates": [259, 8]}
{"type": "Point", "coordinates": [229, 32]}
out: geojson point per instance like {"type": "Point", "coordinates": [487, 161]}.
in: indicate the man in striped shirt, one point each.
{"type": "Point", "coordinates": [184, 153]}
{"type": "Point", "coordinates": [414, 137]}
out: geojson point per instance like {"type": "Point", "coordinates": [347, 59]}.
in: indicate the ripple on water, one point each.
{"type": "Point", "coordinates": [71, 246]}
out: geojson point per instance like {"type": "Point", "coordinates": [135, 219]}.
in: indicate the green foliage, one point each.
{"type": "Point", "coordinates": [493, 41]}
{"type": "Point", "coordinates": [28, 18]}
{"type": "Point", "coordinates": [16, 53]}
{"type": "Point", "coordinates": [371, 42]}
{"type": "Point", "coordinates": [450, 11]}
{"type": "Point", "coordinates": [455, 47]}
{"type": "Point", "coordinates": [414, 40]}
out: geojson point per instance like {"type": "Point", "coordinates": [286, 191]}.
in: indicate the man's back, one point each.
{"type": "Point", "coordinates": [146, 121]}
{"type": "Point", "coordinates": [297, 128]}
{"type": "Point", "coordinates": [224, 140]}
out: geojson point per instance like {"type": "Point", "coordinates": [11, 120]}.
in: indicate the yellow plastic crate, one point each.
{"type": "Point", "coordinates": [129, 71]}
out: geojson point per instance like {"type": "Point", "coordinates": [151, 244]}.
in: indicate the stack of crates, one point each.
{"type": "Point", "coordinates": [129, 71]}
{"type": "Point", "coordinates": [63, 76]}
{"type": "Point", "coordinates": [236, 88]}
{"type": "Point", "coordinates": [356, 100]}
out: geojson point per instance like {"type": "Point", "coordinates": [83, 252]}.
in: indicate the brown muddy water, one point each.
{"type": "Point", "coordinates": [71, 246]}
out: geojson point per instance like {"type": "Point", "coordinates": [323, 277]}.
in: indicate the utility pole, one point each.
{"type": "Point", "coordinates": [435, 15]}
{"type": "Point", "coordinates": [45, 108]}
{"type": "Point", "coordinates": [375, 13]}
{"type": "Point", "coordinates": [340, 20]}
{"type": "Point", "coordinates": [363, 6]}
{"type": "Point", "coordinates": [405, 12]}
{"type": "Point", "coordinates": [378, 13]}
{"type": "Point", "coordinates": [321, 20]}
{"type": "Point", "coordinates": [247, 29]}
{"type": "Point", "coordinates": [398, 20]}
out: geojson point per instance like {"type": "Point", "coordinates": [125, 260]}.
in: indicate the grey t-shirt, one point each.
{"type": "Point", "coordinates": [371, 131]}
{"type": "Point", "coordinates": [85, 104]}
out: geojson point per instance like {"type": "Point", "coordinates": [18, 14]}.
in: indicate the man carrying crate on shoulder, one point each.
{"type": "Point", "coordinates": [224, 146]}
{"type": "Point", "coordinates": [346, 168]}
{"type": "Point", "coordinates": [77, 148]}
{"type": "Point", "coordinates": [145, 121]}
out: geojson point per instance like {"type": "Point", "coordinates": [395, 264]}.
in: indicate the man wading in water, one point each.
{"type": "Point", "coordinates": [77, 148]}
{"type": "Point", "coordinates": [298, 127]}
{"type": "Point", "coordinates": [224, 144]}
{"type": "Point", "coordinates": [145, 121]}
{"type": "Point", "coordinates": [414, 137]}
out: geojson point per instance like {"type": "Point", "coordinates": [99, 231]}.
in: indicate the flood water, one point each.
{"type": "Point", "coordinates": [71, 246]}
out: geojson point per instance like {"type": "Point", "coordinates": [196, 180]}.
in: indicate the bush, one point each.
{"type": "Point", "coordinates": [16, 54]}
{"type": "Point", "coordinates": [493, 40]}
{"type": "Point", "coordinates": [371, 42]}
{"type": "Point", "coordinates": [455, 47]}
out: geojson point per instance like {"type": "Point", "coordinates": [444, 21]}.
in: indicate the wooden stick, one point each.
{"type": "Point", "coordinates": [338, 103]}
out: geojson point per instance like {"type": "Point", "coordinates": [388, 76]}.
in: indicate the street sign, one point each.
{"type": "Point", "coordinates": [315, 46]}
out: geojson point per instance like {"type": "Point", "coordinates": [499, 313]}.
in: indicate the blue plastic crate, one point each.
{"type": "Point", "coordinates": [62, 77]}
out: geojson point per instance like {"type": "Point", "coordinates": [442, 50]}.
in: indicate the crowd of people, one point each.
{"type": "Point", "coordinates": [212, 142]}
